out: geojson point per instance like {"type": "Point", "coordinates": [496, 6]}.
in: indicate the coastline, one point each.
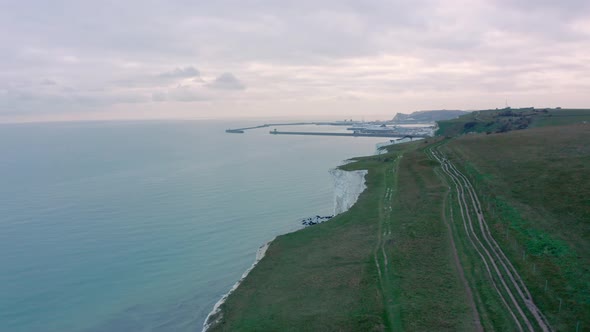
{"type": "Point", "coordinates": [348, 185]}
{"type": "Point", "coordinates": [213, 317]}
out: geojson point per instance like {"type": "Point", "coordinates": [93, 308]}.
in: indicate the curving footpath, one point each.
{"type": "Point", "coordinates": [383, 235]}
{"type": "Point", "coordinates": [504, 278]}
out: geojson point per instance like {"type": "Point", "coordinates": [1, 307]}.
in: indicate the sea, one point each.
{"type": "Point", "coordinates": [145, 225]}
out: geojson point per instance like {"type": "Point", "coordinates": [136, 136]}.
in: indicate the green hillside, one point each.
{"type": "Point", "coordinates": [535, 188]}
{"type": "Point", "coordinates": [504, 120]}
{"type": "Point", "coordinates": [467, 233]}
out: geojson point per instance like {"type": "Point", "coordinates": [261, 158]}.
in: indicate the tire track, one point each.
{"type": "Point", "coordinates": [471, 235]}
{"type": "Point", "coordinates": [515, 278]}
{"type": "Point", "coordinates": [514, 287]}
{"type": "Point", "coordinates": [476, 319]}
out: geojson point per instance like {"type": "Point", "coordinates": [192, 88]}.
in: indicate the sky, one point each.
{"type": "Point", "coordinates": [148, 59]}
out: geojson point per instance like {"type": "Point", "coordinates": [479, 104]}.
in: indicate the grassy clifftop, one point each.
{"type": "Point", "coordinates": [386, 264]}
{"type": "Point", "coordinates": [535, 188]}
{"type": "Point", "coordinates": [504, 120]}
{"type": "Point", "coordinates": [401, 258]}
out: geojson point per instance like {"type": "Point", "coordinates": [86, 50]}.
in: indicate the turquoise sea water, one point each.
{"type": "Point", "coordinates": [143, 226]}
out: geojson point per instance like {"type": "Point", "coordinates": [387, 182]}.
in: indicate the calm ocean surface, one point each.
{"type": "Point", "coordinates": [143, 226]}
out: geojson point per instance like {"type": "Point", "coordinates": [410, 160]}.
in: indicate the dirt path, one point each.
{"type": "Point", "coordinates": [506, 264]}
{"type": "Point", "coordinates": [473, 237]}
{"type": "Point", "coordinates": [383, 235]}
{"type": "Point", "coordinates": [476, 320]}
{"type": "Point", "coordinates": [504, 277]}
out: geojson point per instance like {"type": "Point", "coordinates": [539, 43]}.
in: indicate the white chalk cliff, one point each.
{"type": "Point", "coordinates": [348, 185]}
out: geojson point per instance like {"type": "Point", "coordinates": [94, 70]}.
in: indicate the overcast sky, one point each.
{"type": "Point", "coordinates": [77, 59]}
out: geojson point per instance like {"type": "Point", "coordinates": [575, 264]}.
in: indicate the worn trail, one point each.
{"type": "Point", "coordinates": [383, 235]}
{"type": "Point", "coordinates": [504, 278]}
{"type": "Point", "coordinates": [476, 319]}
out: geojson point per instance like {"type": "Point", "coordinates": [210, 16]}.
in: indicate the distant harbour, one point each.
{"type": "Point", "coordinates": [358, 129]}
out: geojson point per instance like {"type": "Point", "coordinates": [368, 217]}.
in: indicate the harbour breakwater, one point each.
{"type": "Point", "coordinates": [354, 134]}
{"type": "Point", "coordinates": [348, 185]}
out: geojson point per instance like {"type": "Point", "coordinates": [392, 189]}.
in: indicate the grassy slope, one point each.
{"type": "Point", "coordinates": [429, 292]}
{"type": "Point", "coordinates": [491, 121]}
{"type": "Point", "coordinates": [319, 278]}
{"type": "Point", "coordinates": [562, 117]}
{"type": "Point", "coordinates": [535, 186]}
{"type": "Point", "coordinates": [492, 313]}
{"type": "Point", "coordinates": [324, 277]}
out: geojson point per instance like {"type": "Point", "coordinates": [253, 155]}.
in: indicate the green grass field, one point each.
{"type": "Point", "coordinates": [535, 186]}
{"type": "Point", "coordinates": [504, 120]}
{"type": "Point", "coordinates": [389, 263]}
{"type": "Point", "coordinates": [428, 292]}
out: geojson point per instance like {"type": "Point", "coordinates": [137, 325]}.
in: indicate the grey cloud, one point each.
{"type": "Point", "coordinates": [562, 7]}
{"type": "Point", "coordinates": [180, 94]}
{"type": "Point", "coordinates": [227, 81]}
{"type": "Point", "coordinates": [263, 30]}
{"type": "Point", "coordinates": [159, 96]}
{"type": "Point", "coordinates": [48, 82]}
{"type": "Point", "coordinates": [31, 100]}
{"type": "Point", "coordinates": [158, 80]}
{"type": "Point", "coordinates": [131, 51]}
{"type": "Point", "coordinates": [108, 99]}
{"type": "Point", "coordinates": [186, 72]}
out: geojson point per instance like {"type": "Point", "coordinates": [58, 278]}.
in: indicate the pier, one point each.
{"type": "Point", "coordinates": [242, 130]}
{"type": "Point", "coordinates": [359, 129]}
{"type": "Point", "coordinates": [389, 134]}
